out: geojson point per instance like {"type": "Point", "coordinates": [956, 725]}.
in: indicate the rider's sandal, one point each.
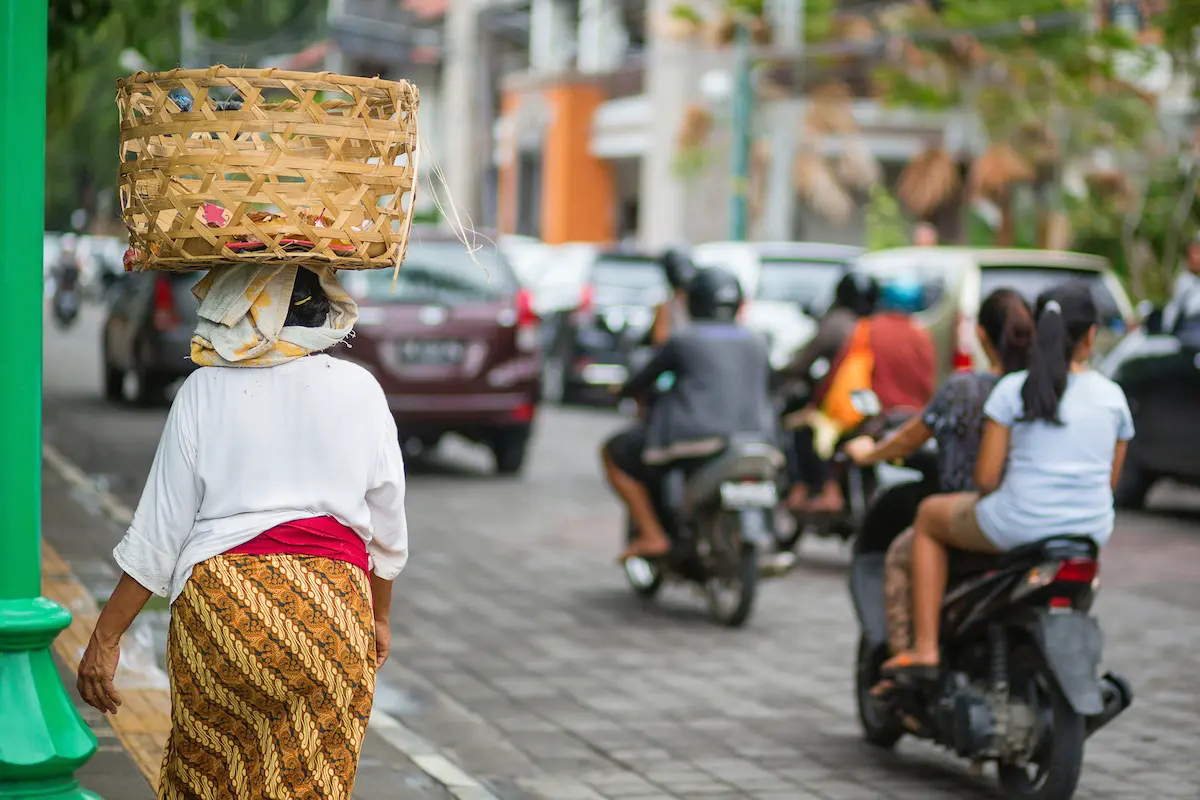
{"type": "Point", "coordinates": [907, 669]}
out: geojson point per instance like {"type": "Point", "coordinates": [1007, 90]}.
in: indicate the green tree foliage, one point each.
{"type": "Point", "coordinates": [886, 227]}
{"type": "Point", "coordinates": [1016, 64]}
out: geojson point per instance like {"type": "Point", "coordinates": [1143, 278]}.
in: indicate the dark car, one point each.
{"type": "Point", "coordinates": [147, 334]}
{"type": "Point", "coordinates": [1160, 373]}
{"type": "Point", "coordinates": [454, 344]}
{"type": "Point", "coordinates": [591, 343]}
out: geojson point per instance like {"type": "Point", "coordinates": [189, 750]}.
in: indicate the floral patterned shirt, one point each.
{"type": "Point", "coordinates": [955, 415]}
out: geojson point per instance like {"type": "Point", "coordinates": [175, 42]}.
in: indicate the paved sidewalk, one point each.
{"type": "Point", "coordinates": [111, 772]}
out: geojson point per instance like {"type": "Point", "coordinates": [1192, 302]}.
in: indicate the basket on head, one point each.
{"type": "Point", "coordinates": [230, 166]}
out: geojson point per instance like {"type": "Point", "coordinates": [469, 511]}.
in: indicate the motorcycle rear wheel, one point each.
{"type": "Point", "coordinates": [731, 595]}
{"type": "Point", "coordinates": [1061, 759]}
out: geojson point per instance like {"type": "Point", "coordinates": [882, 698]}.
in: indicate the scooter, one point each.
{"type": "Point", "coordinates": [66, 307]}
{"type": "Point", "coordinates": [1018, 683]}
{"type": "Point", "coordinates": [859, 485]}
{"type": "Point", "coordinates": [719, 514]}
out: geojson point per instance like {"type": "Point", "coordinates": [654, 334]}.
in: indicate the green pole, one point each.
{"type": "Point", "coordinates": [43, 739]}
{"type": "Point", "coordinates": [742, 99]}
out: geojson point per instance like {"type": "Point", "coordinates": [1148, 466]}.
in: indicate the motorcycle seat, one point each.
{"type": "Point", "coordinates": [743, 458]}
{"type": "Point", "coordinates": [965, 565]}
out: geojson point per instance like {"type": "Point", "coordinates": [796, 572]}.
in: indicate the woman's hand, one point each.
{"type": "Point", "coordinates": [97, 669]}
{"type": "Point", "coordinates": [861, 450]}
{"type": "Point", "coordinates": [383, 642]}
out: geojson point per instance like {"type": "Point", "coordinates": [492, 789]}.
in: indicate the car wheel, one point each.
{"type": "Point", "coordinates": [1133, 485]}
{"type": "Point", "coordinates": [149, 388]}
{"type": "Point", "coordinates": [114, 384]}
{"type": "Point", "coordinates": [509, 449]}
{"type": "Point", "coordinates": [554, 377]}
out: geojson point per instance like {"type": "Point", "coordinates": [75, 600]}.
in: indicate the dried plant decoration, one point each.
{"type": "Point", "coordinates": [695, 128]}
{"type": "Point", "coordinates": [998, 170]}
{"type": "Point", "coordinates": [928, 182]}
{"type": "Point", "coordinates": [818, 187]}
{"type": "Point", "coordinates": [829, 110]}
{"type": "Point", "coordinates": [857, 167]}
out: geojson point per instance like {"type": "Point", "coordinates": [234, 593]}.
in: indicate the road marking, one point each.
{"type": "Point", "coordinates": [143, 737]}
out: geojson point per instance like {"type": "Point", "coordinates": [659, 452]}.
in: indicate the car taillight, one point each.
{"type": "Point", "coordinates": [963, 360]}
{"type": "Point", "coordinates": [166, 318]}
{"type": "Point", "coordinates": [527, 322]}
{"type": "Point", "coordinates": [586, 309]}
{"type": "Point", "coordinates": [1077, 570]}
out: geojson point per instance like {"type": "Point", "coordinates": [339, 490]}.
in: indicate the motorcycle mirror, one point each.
{"type": "Point", "coordinates": [819, 369]}
{"type": "Point", "coordinates": [866, 402]}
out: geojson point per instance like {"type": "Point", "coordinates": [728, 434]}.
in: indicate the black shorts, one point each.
{"type": "Point", "coordinates": [625, 450]}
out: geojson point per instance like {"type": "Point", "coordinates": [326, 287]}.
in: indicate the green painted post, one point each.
{"type": "Point", "coordinates": [742, 101]}
{"type": "Point", "coordinates": [43, 739]}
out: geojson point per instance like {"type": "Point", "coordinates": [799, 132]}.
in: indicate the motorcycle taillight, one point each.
{"type": "Point", "coordinates": [1076, 570]}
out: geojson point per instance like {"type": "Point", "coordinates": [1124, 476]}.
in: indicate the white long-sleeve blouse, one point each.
{"type": "Point", "coordinates": [245, 450]}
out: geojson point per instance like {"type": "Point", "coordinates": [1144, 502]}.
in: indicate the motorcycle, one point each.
{"type": "Point", "coordinates": [859, 485]}
{"type": "Point", "coordinates": [1017, 682]}
{"type": "Point", "coordinates": [66, 307]}
{"type": "Point", "coordinates": [719, 513]}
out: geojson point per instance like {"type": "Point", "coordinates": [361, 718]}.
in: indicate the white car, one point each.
{"type": "Point", "coordinates": [785, 285]}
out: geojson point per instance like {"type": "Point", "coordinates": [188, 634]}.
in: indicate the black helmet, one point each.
{"type": "Point", "coordinates": [858, 292]}
{"type": "Point", "coordinates": [678, 268]}
{"type": "Point", "coordinates": [714, 294]}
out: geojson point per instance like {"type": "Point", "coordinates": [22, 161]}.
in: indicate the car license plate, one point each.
{"type": "Point", "coordinates": [430, 351]}
{"type": "Point", "coordinates": [749, 495]}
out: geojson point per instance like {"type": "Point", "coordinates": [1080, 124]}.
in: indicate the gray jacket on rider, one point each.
{"type": "Point", "coordinates": [720, 390]}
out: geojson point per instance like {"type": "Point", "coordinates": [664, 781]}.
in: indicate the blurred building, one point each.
{"type": "Point", "coordinates": [561, 118]}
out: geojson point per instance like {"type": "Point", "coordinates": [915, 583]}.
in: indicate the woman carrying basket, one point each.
{"type": "Point", "coordinates": [273, 518]}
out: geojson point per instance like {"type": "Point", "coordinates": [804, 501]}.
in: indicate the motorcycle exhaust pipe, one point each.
{"type": "Point", "coordinates": [1117, 695]}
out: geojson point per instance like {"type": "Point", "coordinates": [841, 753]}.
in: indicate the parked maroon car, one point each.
{"type": "Point", "coordinates": [454, 344]}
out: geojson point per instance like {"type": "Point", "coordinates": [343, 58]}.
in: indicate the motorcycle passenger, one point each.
{"type": "Point", "coordinates": [671, 315]}
{"type": "Point", "coordinates": [1054, 439]}
{"type": "Point", "coordinates": [902, 367]}
{"type": "Point", "coordinates": [854, 298]}
{"type": "Point", "coordinates": [954, 418]}
{"type": "Point", "coordinates": [720, 389]}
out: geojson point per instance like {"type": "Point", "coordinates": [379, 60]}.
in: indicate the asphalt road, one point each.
{"type": "Point", "coordinates": [520, 652]}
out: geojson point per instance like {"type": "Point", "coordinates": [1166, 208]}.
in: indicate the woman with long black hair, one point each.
{"type": "Point", "coordinates": [954, 419]}
{"type": "Point", "coordinates": [1054, 440]}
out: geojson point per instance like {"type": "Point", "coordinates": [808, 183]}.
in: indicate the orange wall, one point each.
{"type": "Point", "coordinates": [578, 191]}
{"type": "Point", "coordinates": [506, 175]}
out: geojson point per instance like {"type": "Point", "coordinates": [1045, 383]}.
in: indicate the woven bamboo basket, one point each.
{"type": "Point", "coordinates": [298, 168]}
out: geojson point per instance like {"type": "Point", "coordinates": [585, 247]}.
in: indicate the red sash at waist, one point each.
{"type": "Point", "coordinates": [317, 536]}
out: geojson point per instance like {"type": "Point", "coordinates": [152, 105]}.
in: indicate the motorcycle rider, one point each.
{"type": "Point", "coordinates": [66, 271]}
{"type": "Point", "coordinates": [671, 315]}
{"type": "Point", "coordinates": [954, 418]}
{"type": "Point", "coordinates": [720, 389]}
{"type": "Point", "coordinates": [902, 373]}
{"type": "Point", "coordinates": [1054, 441]}
{"type": "Point", "coordinates": [854, 298]}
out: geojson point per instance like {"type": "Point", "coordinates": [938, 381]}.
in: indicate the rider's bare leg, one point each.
{"type": "Point", "coordinates": [651, 539]}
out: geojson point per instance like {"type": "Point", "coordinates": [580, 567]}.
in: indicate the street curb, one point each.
{"type": "Point", "coordinates": [144, 734]}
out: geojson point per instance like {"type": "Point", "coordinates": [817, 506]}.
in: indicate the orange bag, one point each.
{"type": "Point", "coordinates": [854, 373]}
